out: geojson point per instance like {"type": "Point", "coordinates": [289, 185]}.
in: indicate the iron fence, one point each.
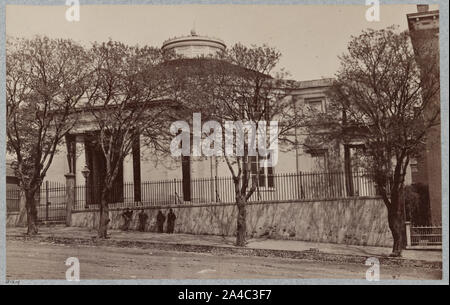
{"type": "Point", "coordinates": [276, 187]}
{"type": "Point", "coordinates": [12, 201]}
{"type": "Point", "coordinates": [51, 202]}
{"type": "Point", "coordinates": [425, 236]}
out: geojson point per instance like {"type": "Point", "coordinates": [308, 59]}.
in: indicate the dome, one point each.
{"type": "Point", "coordinates": [194, 45]}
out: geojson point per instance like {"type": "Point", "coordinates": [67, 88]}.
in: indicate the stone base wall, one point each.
{"type": "Point", "coordinates": [15, 220]}
{"type": "Point", "coordinates": [344, 221]}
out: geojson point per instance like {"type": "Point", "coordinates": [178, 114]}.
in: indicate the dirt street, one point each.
{"type": "Point", "coordinates": [39, 260]}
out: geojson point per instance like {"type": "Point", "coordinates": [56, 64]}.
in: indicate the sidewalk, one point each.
{"type": "Point", "coordinates": [212, 243]}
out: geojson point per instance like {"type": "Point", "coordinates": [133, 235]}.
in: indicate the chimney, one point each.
{"type": "Point", "coordinates": [422, 8]}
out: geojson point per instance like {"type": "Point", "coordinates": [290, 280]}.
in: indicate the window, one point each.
{"type": "Point", "coordinates": [265, 177]}
{"type": "Point", "coordinates": [319, 161]}
{"type": "Point", "coordinates": [414, 166]}
{"type": "Point", "coordinates": [357, 157]}
{"type": "Point", "coordinates": [315, 105]}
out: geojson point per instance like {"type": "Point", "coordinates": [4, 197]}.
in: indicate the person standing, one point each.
{"type": "Point", "coordinates": [171, 221]}
{"type": "Point", "coordinates": [160, 219]}
{"type": "Point", "coordinates": [142, 220]}
{"type": "Point", "coordinates": [127, 217]}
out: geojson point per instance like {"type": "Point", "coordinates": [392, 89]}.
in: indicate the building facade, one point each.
{"type": "Point", "coordinates": [194, 176]}
{"type": "Point", "coordinates": [424, 30]}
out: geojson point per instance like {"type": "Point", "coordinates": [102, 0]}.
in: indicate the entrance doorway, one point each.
{"type": "Point", "coordinates": [96, 162]}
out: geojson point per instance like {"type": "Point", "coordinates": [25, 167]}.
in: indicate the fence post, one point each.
{"type": "Point", "coordinates": [175, 188]}
{"type": "Point", "coordinates": [216, 191]}
{"type": "Point", "coordinates": [300, 194]}
{"type": "Point", "coordinates": [70, 197]}
{"type": "Point", "coordinates": [408, 233]}
{"type": "Point", "coordinates": [47, 203]}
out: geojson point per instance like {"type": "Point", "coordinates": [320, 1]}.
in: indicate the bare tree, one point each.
{"type": "Point", "coordinates": [240, 86]}
{"type": "Point", "coordinates": [127, 97]}
{"type": "Point", "coordinates": [384, 100]}
{"type": "Point", "coordinates": [45, 80]}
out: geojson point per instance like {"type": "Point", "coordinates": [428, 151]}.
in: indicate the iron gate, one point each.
{"type": "Point", "coordinates": [51, 205]}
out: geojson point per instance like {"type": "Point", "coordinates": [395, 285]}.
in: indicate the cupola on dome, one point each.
{"type": "Point", "coordinates": [194, 45]}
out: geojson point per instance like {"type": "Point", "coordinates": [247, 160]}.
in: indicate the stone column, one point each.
{"type": "Point", "coordinates": [408, 233]}
{"type": "Point", "coordinates": [70, 197]}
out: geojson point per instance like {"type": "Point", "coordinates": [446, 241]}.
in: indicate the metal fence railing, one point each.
{"type": "Point", "coordinates": [12, 201]}
{"type": "Point", "coordinates": [426, 236]}
{"type": "Point", "coordinates": [51, 202]}
{"type": "Point", "coordinates": [276, 187]}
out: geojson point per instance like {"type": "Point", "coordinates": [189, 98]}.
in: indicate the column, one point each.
{"type": "Point", "coordinates": [70, 197]}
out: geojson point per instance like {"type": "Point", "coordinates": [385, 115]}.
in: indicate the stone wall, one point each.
{"type": "Point", "coordinates": [344, 221]}
{"type": "Point", "coordinates": [15, 219]}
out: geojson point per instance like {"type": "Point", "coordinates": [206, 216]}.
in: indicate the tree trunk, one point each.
{"type": "Point", "coordinates": [241, 231]}
{"type": "Point", "coordinates": [104, 215]}
{"type": "Point", "coordinates": [30, 205]}
{"type": "Point", "coordinates": [397, 226]}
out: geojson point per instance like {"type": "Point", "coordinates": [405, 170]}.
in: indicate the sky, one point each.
{"type": "Point", "coordinates": [310, 37]}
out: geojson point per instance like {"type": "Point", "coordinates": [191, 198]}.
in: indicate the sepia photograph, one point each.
{"type": "Point", "coordinates": [201, 141]}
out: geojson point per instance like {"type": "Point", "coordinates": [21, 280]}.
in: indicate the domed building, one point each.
{"type": "Point", "coordinates": [194, 45]}
{"type": "Point", "coordinates": [139, 167]}
{"type": "Point", "coordinates": [306, 172]}
{"type": "Point", "coordinates": [302, 172]}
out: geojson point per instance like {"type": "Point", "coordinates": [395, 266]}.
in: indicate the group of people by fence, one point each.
{"type": "Point", "coordinates": [127, 216]}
